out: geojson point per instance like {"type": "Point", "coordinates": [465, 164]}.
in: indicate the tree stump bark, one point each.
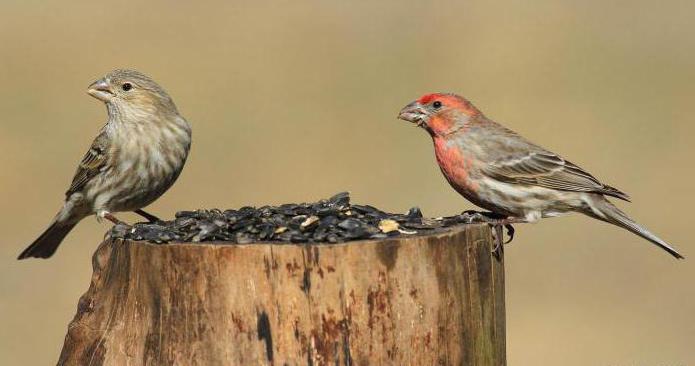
{"type": "Point", "coordinates": [412, 300]}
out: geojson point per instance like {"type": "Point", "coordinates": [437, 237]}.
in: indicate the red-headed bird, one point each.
{"type": "Point", "coordinates": [498, 170]}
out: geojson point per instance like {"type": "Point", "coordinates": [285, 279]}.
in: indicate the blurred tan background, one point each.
{"type": "Point", "coordinates": [294, 101]}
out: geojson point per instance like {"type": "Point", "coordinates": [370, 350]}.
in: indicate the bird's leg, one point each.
{"type": "Point", "coordinates": [114, 219]}
{"type": "Point", "coordinates": [148, 216]}
{"type": "Point", "coordinates": [497, 220]}
{"type": "Point", "coordinates": [507, 223]}
{"type": "Point", "coordinates": [512, 220]}
{"type": "Point", "coordinates": [492, 217]}
{"type": "Point", "coordinates": [109, 216]}
{"type": "Point", "coordinates": [479, 215]}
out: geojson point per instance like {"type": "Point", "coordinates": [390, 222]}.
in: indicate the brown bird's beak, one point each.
{"type": "Point", "coordinates": [101, 90]}
{"type": "Point", "coordinates": [414, 113]}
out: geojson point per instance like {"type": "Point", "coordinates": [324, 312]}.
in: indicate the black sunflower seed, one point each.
{"type": "Point", "coordinates": [332, 220]}
{"type": "Point", "coordinates": [414, 213]}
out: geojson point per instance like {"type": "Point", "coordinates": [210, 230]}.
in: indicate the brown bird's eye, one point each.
{"type": "Point", "coordinates": [127, 86]}
{"type": "Point", "coordinates": [437, 104]}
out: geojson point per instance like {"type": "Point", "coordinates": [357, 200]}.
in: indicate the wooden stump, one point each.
{"type": "Point", "coordinates": [419, 300]}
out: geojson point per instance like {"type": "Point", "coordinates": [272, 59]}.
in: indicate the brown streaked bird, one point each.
{"type": "Point", "coordinates": [134, 159]}
{"type": "Point", "coordinates": [498, 170]}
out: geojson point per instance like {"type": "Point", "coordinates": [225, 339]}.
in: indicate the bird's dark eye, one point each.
{"type": "Point", "coordinates": [437, 104]}
{"type": "Point", "coordinates": [127, 86]}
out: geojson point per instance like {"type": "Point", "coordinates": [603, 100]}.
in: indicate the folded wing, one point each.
{"type": "Point", "coordinates": [545, 169]}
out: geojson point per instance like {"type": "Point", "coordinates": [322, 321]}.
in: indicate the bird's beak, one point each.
{"type": "Point", "coordinates": [101, 90]}
{"type": "Point", "coordinates": [414, 113]}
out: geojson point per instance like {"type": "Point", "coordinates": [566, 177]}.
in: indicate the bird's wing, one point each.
{"type": "Point", "coordinates": [92, 163]}
{"type": "Point", "coordinates": [538, 167]}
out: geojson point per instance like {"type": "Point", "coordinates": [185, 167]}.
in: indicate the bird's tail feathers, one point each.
{"type": "Point", "coordinates": [48, 242]}
{"type": "Point", "coordinates": [606, 211]}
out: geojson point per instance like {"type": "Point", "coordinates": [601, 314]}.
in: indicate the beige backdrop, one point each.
{"type": "Point", "coordinates": [294, 101]}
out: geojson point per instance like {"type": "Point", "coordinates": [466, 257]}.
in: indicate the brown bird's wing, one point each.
{"type": "Point", "coordinates": [91, 164]}
{"type": "Point", "coordinates": [538, 167]}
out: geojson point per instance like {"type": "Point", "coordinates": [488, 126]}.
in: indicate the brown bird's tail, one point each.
{"type": "Point", "coordinates": [48, 242]}
{"type": "Point", "coordinates": [606, 211]}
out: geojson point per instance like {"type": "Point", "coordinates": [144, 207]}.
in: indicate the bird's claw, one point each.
{"type": "Point", "coordinates": [498, 235]}
{"type": "Point", "coordinates": [510, 233]}
{"type": "Point", "coordinates": [498, 250]}
{"type": "Point", "coordinates": [492, 219]}
{"type": "Point", "coordinates": [473, 216]}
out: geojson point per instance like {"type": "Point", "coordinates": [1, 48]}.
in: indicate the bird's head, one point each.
{"type": "Point", "coordinates": [131, 92]}
{"type": "Point", "coordinates": [439, 113]}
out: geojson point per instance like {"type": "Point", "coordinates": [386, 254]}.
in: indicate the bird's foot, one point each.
{"type": "Point", "coordinates": [473, 216]}
{"type": "Point", "coordinates": [148, 216]}
{"type": "Point", "coordinates": [490, 217]}
{"type": "Point", "coordinates": [498, 236]}
{"type": "Point", "coordinates": [497, 221]}
{"type": "Point", "coordinates": [109, 216]}
{"type": "Point", "coordinates": [510, 232]}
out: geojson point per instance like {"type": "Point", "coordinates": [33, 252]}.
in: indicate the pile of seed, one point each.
{"type": "Point", "coordinates": [333, 220]}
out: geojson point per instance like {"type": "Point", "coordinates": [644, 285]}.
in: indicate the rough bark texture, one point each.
{"type": "Point", "coordinates": [424, 300]}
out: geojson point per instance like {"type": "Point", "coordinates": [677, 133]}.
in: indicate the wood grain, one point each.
{"type": "Point", "coordinates": [421, 300]}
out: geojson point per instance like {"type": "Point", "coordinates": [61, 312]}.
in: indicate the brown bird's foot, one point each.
{"type": "Point", "coordinates": [491, 217]}
{"type": "Point", "coordinates": [114, 219]}
{"type": "Point", "coordinates": [513, 220]}
{"type": "Point", "coordinates": [478, 216]}
{"type": "Point", "coordinates": [148, 216]}
{"type": "Point", "coordinates": [109, 216]}
{"type": "Point", "coordinates": [498, 236]}
{"type": "Point", "coordinates": [508, 226]}
{"type": "Point", "coordinates": [496, 220]}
